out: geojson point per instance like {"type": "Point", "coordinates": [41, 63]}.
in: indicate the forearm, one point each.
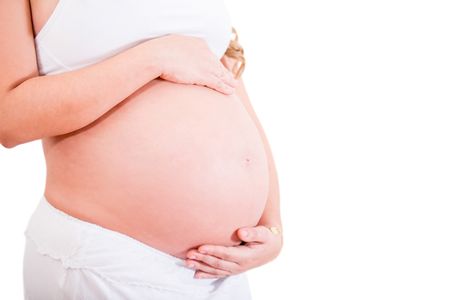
{"type": "Point", "coordinates": [57, 104]}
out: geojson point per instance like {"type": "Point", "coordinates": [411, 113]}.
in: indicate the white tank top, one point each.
{"type": "Point", "coordinates": [82, 32]}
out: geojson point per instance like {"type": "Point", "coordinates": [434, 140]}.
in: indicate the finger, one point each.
{"type": "Point", "coordinates": [254, 234]}
{"type": "Point", "coordinates": [234, 254]}
{"type": "Point", "coordinates": [194, 264]}
{"type": "Point", "coordinates": [215, 262]}
{"type": "Point", "coordinates": [227, 76]}
{"type": "Point", "coordinates": [213, 82]}
{"type": "Point", "coordinates": [202, 275]}
{"type": "Point", "coordinates": [220, 85]}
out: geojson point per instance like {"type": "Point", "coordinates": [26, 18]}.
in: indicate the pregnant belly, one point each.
{"type": "Point", "coordinates": [173, 166]}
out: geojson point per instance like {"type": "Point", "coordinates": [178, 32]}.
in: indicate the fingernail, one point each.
{"type": "Point", "coordinates": [244, 233]}
{"type": "Point", "coordinates": [190, 264]}
{"type": "Point", "coordinates": [192, 256]}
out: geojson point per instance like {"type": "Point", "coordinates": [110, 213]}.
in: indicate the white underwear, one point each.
{"type": "Point", "coordinates": [68, 258]}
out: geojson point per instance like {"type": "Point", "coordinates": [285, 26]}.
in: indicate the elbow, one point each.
{"type": "Point", "coordinates": [6, 140]}
{"type": "Point", "coordinates": [7, 143]}
{"type": "Point", "coordinates": [10, 138]}
{"type": "Point", "coordinates": [6, 137]}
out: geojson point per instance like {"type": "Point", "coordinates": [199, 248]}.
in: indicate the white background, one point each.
{"type": "Point", "coordinates": [353, 96]}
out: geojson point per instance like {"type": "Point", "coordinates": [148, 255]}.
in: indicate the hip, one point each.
{"type": "Point", "coordinates": [85, 261]}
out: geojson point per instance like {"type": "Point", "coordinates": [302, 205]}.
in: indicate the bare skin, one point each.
{"type": "Point", "coordinates": [172, 165]}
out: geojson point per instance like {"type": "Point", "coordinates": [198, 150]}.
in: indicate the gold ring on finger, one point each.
{"type": "Point", "coordinates": [275, 230]}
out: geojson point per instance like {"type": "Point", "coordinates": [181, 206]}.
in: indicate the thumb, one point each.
{"type": "Point", "coordinates": [253, 234]}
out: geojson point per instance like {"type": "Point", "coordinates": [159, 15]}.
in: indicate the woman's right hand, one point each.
{"type": "Point", "coordinates": [189, 60]}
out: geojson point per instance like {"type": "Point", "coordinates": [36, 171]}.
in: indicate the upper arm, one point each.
{"type": "Point", "coordinates": [17, 50]}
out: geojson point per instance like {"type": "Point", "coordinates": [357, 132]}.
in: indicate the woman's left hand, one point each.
{"type": "Point", "coordinates": [213, 261]}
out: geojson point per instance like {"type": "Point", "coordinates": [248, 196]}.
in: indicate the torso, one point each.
{"type": "Point", "coordinates": [173, 166]}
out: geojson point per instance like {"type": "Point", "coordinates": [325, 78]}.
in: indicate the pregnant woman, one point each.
{"type": "Point", "coordinates": [160, 181]}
